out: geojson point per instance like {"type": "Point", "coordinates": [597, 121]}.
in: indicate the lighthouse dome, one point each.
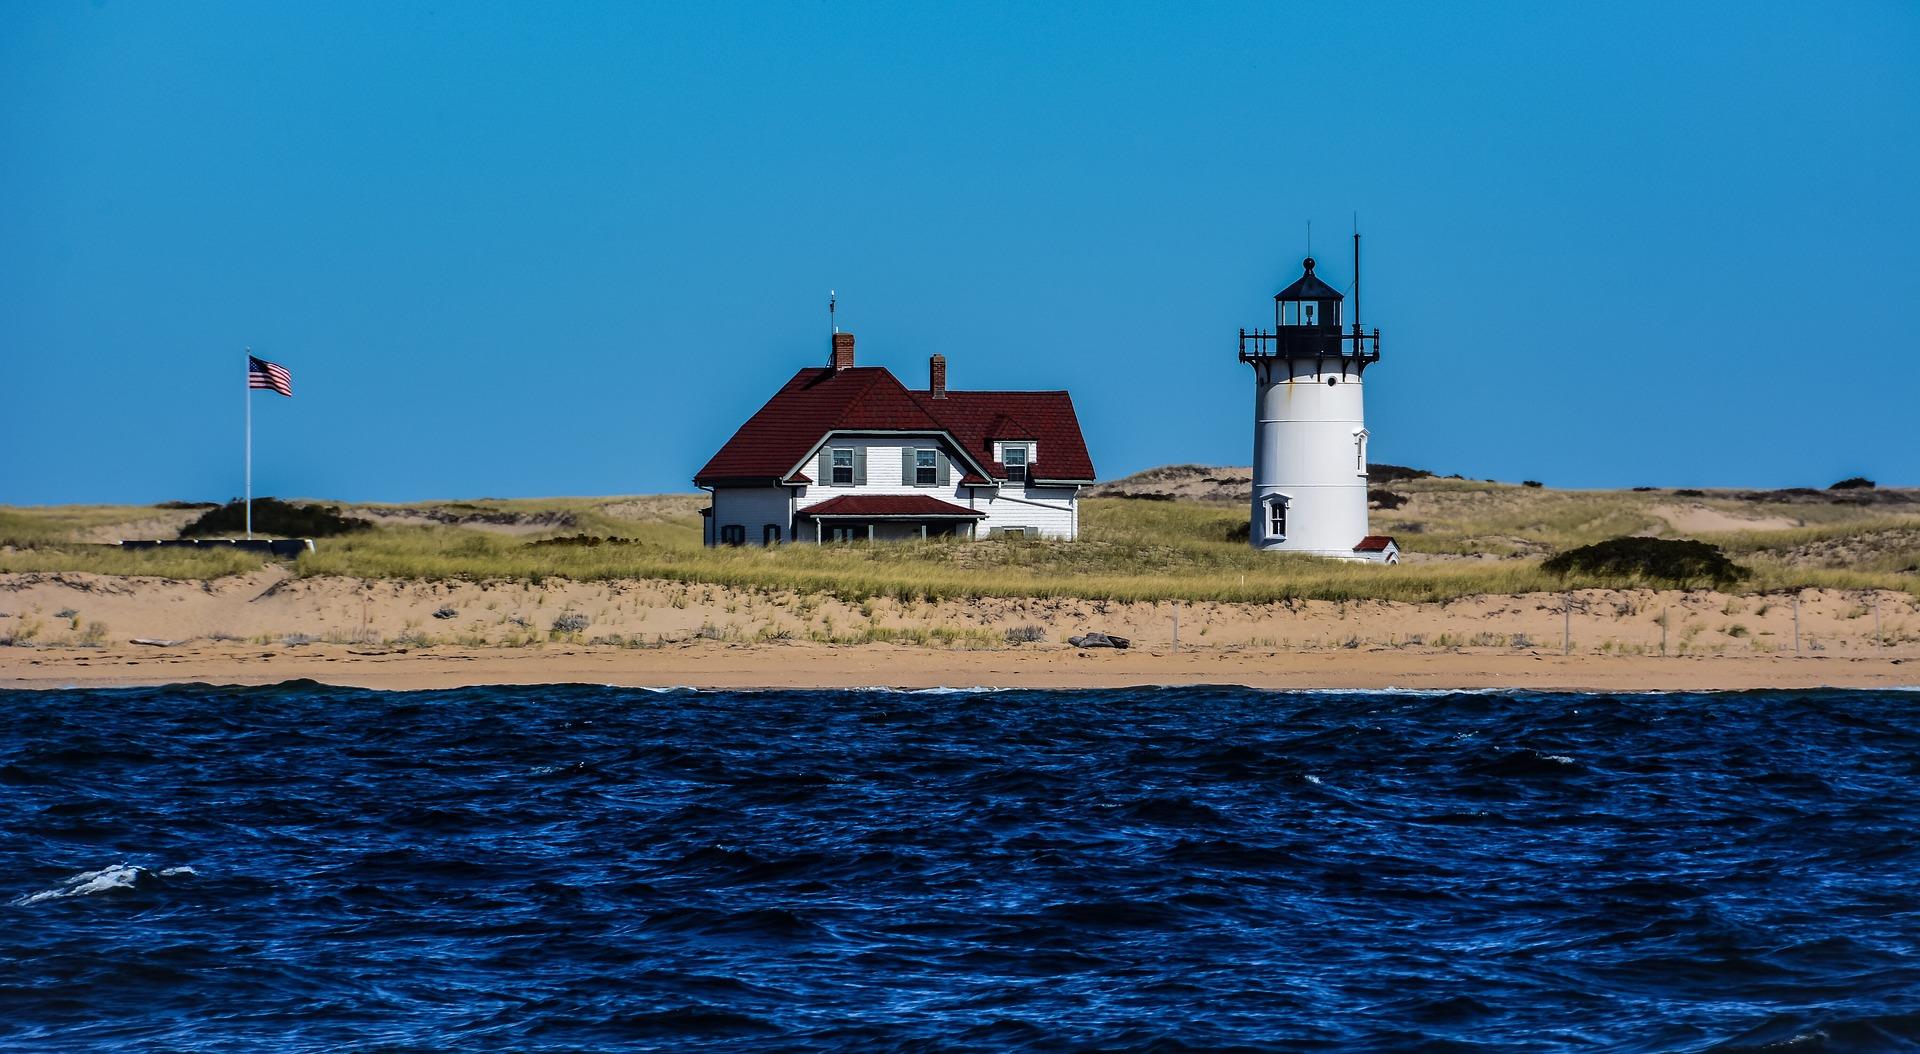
{"type": "Point", "coordinates": [1309, 287]}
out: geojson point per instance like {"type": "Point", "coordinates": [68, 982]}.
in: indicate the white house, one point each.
{"type": "Point", "coordinates": [848, 453]}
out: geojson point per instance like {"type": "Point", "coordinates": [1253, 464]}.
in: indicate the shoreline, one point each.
{"type": "Point", "coordinates": [807, 666]}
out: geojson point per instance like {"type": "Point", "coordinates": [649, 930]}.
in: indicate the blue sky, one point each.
{"type": "Point", "coordinates": [565, 249]}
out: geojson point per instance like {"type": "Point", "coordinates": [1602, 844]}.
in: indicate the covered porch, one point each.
{"type": "Point", "coordinates": [885, 518]}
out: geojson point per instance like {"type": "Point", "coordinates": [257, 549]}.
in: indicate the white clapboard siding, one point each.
{"type": "Point", "coordinates": [752, 508]}
{"type": "Point", "coordinates": [1048, 512]}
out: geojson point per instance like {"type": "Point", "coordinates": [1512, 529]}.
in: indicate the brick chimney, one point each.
{"type": "Point", "coordinates": [937, 376]}
{"type": "Point", "coordinates": [842, 352]}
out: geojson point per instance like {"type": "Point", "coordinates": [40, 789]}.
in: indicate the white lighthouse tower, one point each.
{"type": "Point", "coordinates": [1309, 424]}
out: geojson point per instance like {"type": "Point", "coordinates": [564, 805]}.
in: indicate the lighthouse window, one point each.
{"type": "Point", "coordinates": [1277, 518]}
{"type": "Point", "coordinates": [1360, 451]}
{"type": "Point", "coordinates": [1331, 381]}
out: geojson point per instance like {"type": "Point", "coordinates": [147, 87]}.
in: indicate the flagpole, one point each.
{"type": "Point", "coordinates": [247, 393]}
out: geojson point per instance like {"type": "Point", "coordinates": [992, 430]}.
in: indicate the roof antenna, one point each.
{"type": "Point", "coordinates": [1309, 237]}
{"type": "Point", "coordinates": [1356, 275]}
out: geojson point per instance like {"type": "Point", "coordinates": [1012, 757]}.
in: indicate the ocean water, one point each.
{"type": "Point", "coordinates": [581, 868]}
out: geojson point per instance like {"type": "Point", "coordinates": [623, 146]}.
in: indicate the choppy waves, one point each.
{"type": "Point", "coordinates": [561, 868]}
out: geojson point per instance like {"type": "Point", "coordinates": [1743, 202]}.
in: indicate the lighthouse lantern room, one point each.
{"type": "Point", "coordinates": [1309, 426]}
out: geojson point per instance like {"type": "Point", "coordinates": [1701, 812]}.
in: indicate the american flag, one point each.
{"type": "Point", "coordinates": [264, 374]}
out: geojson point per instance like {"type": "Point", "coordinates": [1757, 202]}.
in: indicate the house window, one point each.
{"type": "Point", "coordinates": [1277, 518]}
{"type": "Point", "coordinates": [770, 534]}
{"type": "Point", "coordinates": [733, 534]}
{"type": "Point", "coordinates": [1012, 532]}
{"type": "Point", "coordinates": [842, 467]}
{"type": "Point", "coordinates": [1014, 456]}
{"type": "Point", "coordinates": [843, 534]}
{"type": "Point", "coordinates": [924, 468]}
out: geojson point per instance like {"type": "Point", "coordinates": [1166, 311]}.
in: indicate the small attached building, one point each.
{"type": "Point", "coordinates": [848, 453]}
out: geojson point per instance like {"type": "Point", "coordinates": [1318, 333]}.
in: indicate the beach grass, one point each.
{"type": "Point", "coordinates": [1464, 538]}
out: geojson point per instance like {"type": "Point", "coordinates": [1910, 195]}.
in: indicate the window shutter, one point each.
{"type": "Point", "coordinates": [942, 472]}
{"type": "Point", "coordinates": [907, 476]}
{"type": "Point", "coordinates": [823, 476]}
{"type": "Point", "coordinates": [860, 466]}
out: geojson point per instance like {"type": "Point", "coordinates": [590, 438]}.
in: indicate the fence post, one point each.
{"type": "Point", "coordinates": [1666, 616]}
{"type": "Point", "coordinates": [1176, 627]}
{"type": "Point", "coordinates": [1879, 641]}
{"type": "Point", "coordinates": [1796, 623]}
{"type": "Point", "coordinates": [1566, 625]}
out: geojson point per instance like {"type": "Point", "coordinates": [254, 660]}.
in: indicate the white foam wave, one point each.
{"type": "Point", "coordinates": [105, 880]}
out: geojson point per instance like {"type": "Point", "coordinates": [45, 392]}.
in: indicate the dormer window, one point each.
{"type": "Point", "coordinates": [925, 468]}
{"type": "Point", "coordinates": [1014, 456]}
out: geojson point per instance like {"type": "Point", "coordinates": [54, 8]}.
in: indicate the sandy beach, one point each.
{"type": "Point", "coordinates": [79, 629]}
{"type": "Point", "coordinates": [711, 665]}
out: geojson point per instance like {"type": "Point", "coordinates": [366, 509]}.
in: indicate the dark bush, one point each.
{"type": "Point", "coordinates": [273, 516]}
{"type": "Point", "coordinates": [1390, 473]}
{"type": "Point", "coordinates": [1140, 495]}
{"type": "Point", "coordinates": [1240, 532]}
{"type": "Point", "coordinates": [586, 541]}
{"type": "Point", "coordinates": [1385, 499]}
{"type": "Point", "coordinates": [1676, 561]}
{"type": "Point", "coordinates": [1689, 492]}
{"type": "Point", "coordinates": [1853, 483]}
{"type": "Point", "coordinates": [188, 505]}
{"type": "Point", "coordinates": [1532, 483]}
{"type": "Point", "coordinates": [1641, 490]}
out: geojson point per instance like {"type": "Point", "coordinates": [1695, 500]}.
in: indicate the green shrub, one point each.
{"type": "Point", "coordinates": [1853, 483]}
{"type": "Point", "coordinates": [1676, 561]}
{"type": "Point", "coordinates": [273, 516]}
{"type": "Point", "coordinates": [1389, 473]}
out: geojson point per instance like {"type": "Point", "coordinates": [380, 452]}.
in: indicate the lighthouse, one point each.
{"type": "Point", "coordinates": [1309, 423]}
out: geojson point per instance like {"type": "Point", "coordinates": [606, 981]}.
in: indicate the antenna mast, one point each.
{"type": "Point", "coordinates": [832, 322]}
{"type": "Point", "coordinates": [1356, 274]}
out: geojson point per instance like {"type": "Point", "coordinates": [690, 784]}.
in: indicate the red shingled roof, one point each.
{"type": "Point", "coordinates": [819, 400]}
{"type": "Point", "coordinates": [1373, 543]}
{"type": "Point", "coordinates": [921, 505]}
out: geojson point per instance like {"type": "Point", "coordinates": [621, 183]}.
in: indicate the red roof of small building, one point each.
{"type": "Point", "coordinates": [1373, 543]}
{"type": "Point", "coordinates": [819, 400]}
{"type": "Point", "coordinates": [918, 505]}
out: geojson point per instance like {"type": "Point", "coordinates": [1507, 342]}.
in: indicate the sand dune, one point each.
{"type": "Point", "coordinates": [271, 625]}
